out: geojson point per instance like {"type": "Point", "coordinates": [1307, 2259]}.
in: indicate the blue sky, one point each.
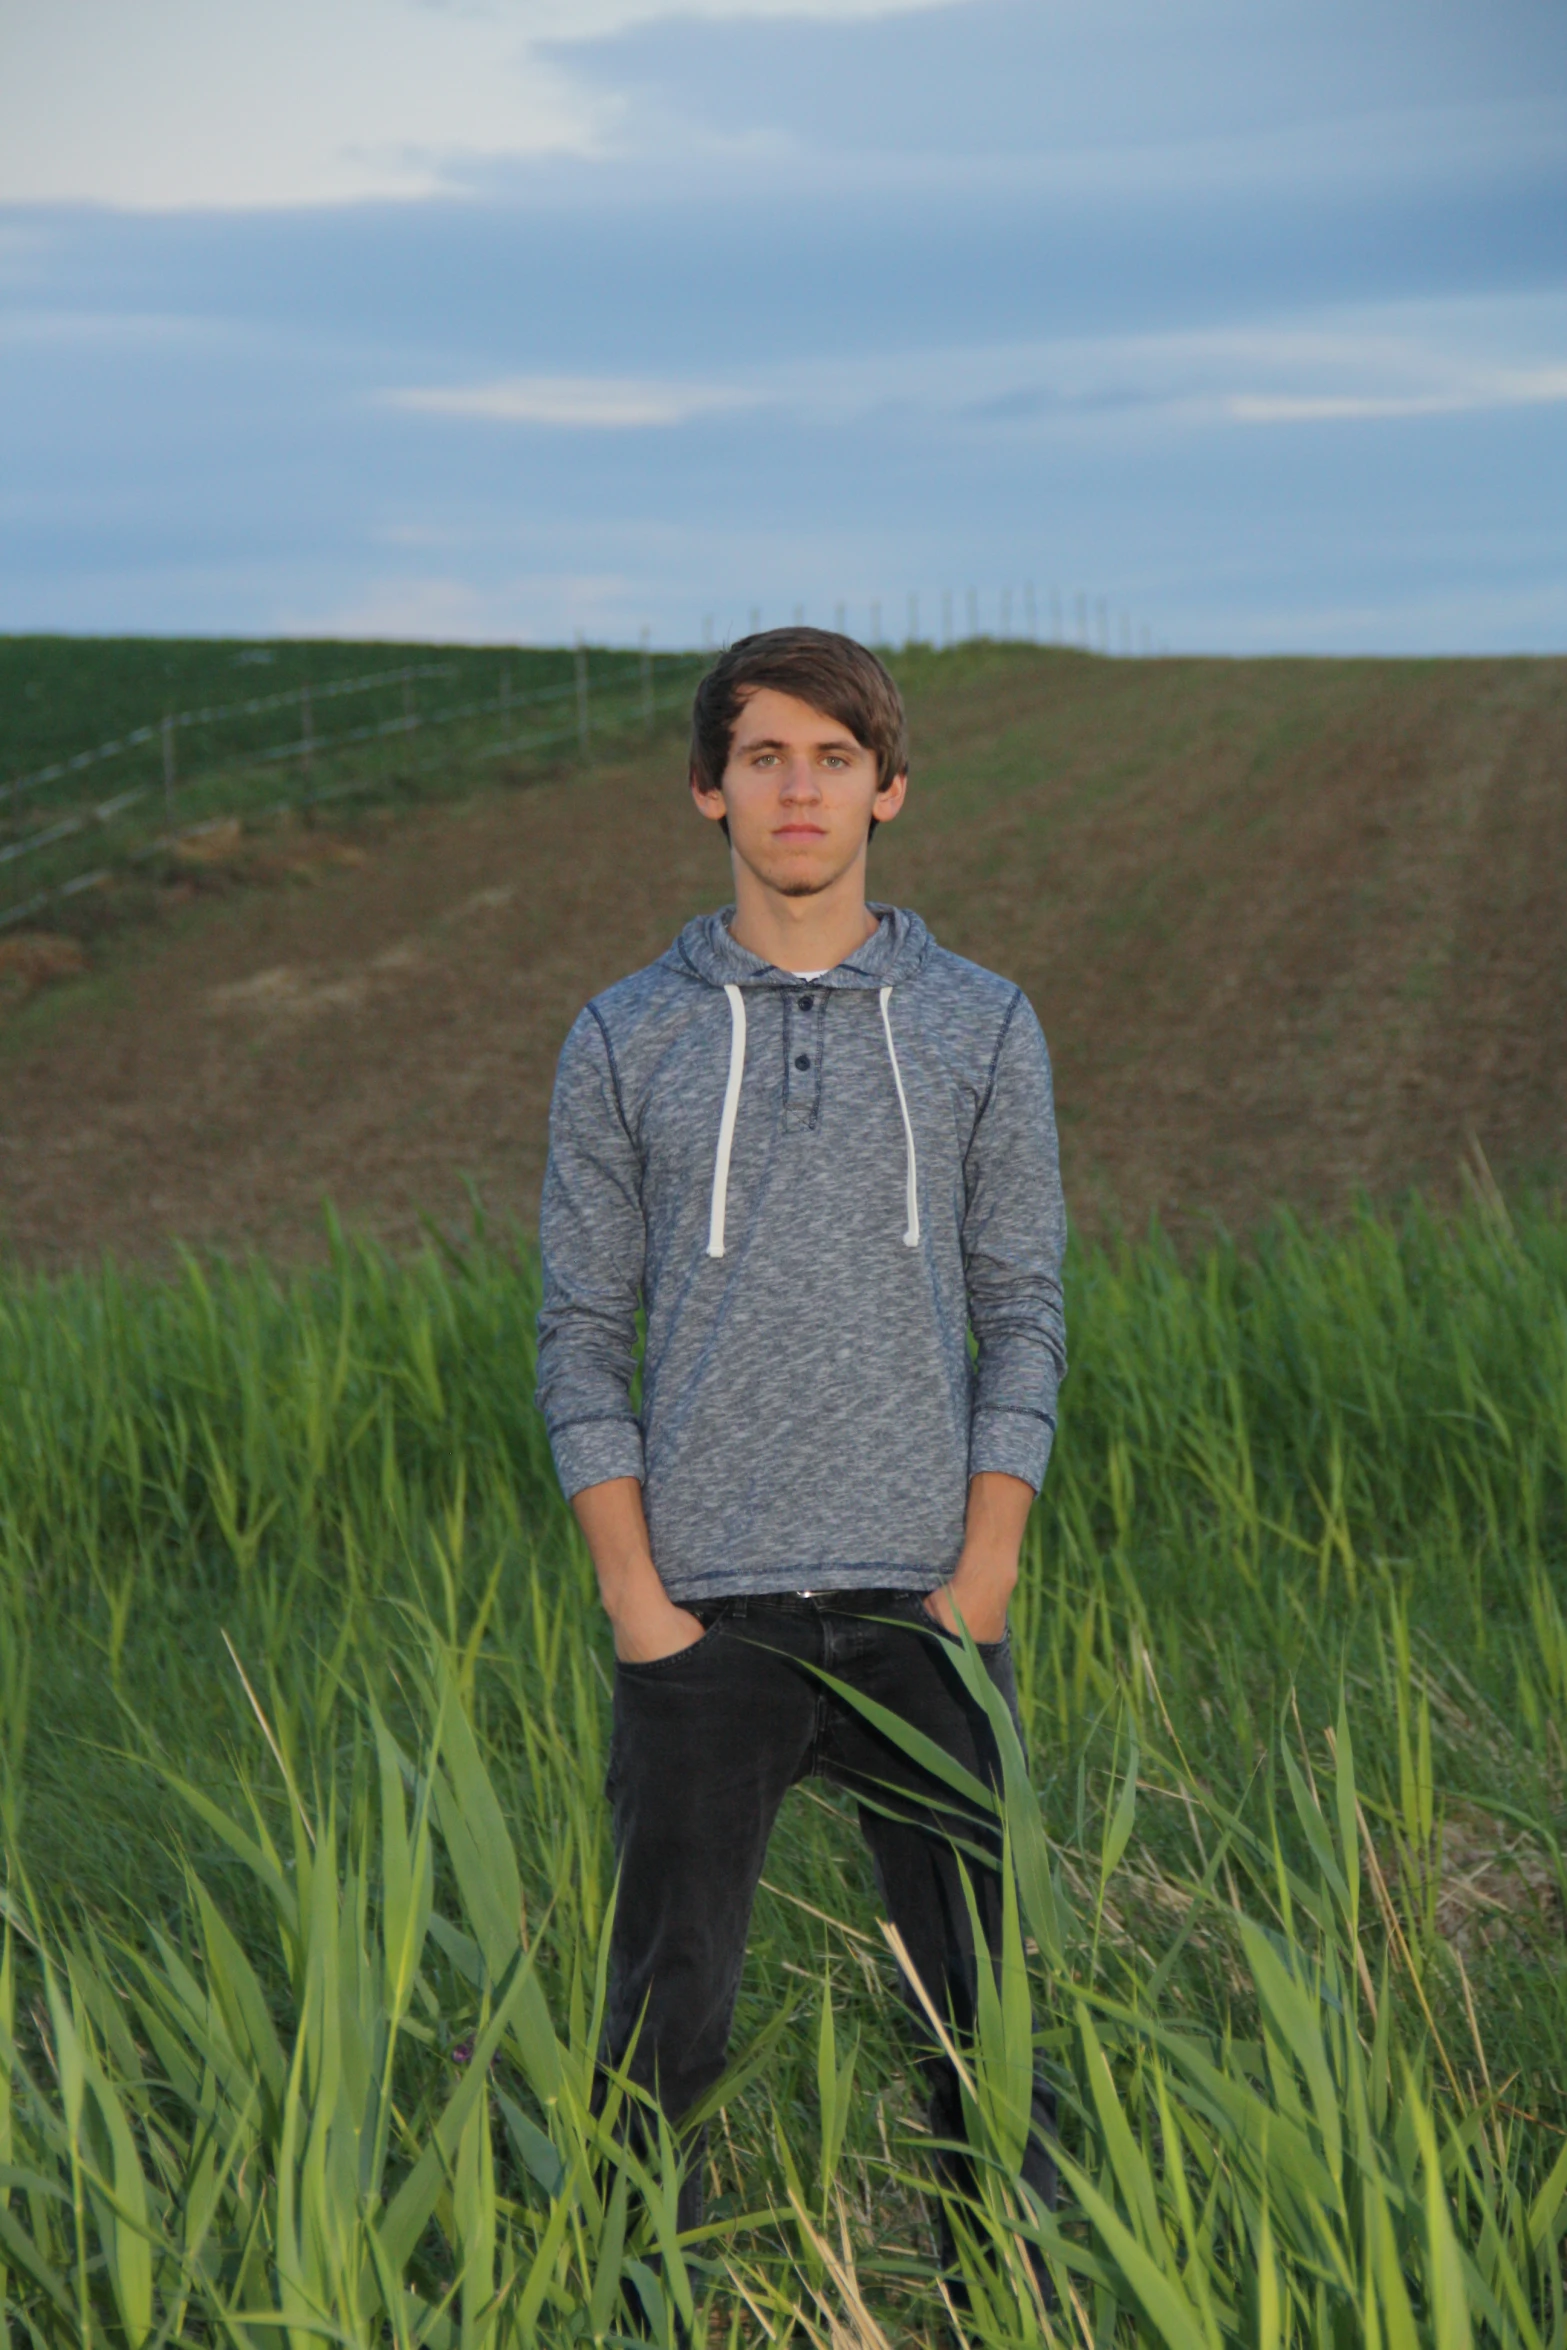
{"type": "Point", "coordinates": [509, 318]}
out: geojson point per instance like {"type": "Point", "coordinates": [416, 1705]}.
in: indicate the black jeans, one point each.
{"type": "Point", "coordinates": [706, 1745]}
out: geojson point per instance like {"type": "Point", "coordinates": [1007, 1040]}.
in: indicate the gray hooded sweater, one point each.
{"type": "Point", "coordinates": [815, 1190]}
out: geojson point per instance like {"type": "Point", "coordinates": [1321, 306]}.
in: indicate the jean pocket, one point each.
{"type": "Point", "coordinates": [986, 1648]}
{"type": "Point", "coordinates": [915, 1604]}
{"type": "Point", "coordinates": [651, 1667]}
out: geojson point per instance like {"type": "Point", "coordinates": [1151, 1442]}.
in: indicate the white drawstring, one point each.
{"type": "Point", "coordinates": [911, 1237]}
{"type": "Point", "coordinates": [726, 1129]}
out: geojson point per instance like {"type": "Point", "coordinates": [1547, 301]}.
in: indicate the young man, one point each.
{"type": "Point", "coordinates": [817, 1150]}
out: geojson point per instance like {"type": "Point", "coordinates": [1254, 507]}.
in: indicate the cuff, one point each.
{"type": "Point", "coordinates": [1014, 1444]}
{"type": "Point", "coordinates": [590, 1452]}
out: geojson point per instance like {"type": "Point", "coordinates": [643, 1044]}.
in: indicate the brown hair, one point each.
{"type": "Point", "coordinates": [815, 665]}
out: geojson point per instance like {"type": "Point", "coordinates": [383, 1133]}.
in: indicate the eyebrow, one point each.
{"type": "Point", "coordinates": [776, 742]}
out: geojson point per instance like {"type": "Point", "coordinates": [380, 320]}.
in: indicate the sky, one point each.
{"type": "Point", "coordinates": [1217, 325]}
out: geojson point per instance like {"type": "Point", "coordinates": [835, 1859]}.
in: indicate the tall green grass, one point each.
{"type": "Point", "coordinates": [303, 1701]}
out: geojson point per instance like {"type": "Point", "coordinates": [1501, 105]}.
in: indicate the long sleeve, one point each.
{"type": "Point", "coordinates": [1014, 1237]}
{"type": "Point", "coordinates": [593, 1239]}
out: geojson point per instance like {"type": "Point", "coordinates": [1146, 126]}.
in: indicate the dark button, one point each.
{"type": "Point", "coordinates": [802, 1060]}
{"type": "Point", "coordinates": [806, 1002]}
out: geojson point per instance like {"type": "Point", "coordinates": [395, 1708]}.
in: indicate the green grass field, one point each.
{"type": "Point", "coordinates": [304, 1700]}
{"type": "Point", "coordinates": [91, 781]}
{"type": "Point", "coordinates": [60, 695]}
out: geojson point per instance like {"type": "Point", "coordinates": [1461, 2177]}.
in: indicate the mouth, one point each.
{"type": "Point", "coordinates": [800, 832]}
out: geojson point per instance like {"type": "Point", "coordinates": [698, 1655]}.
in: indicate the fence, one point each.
{"type": "Point", "coordinates": [191, 780]}
{"type": "Point", "coordinates": [1089, 624]}
{"type": "Point", "coordinates": [41, 842]}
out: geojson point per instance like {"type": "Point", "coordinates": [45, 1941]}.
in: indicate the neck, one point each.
{"type": "Point", "coordinates": [802, 934]}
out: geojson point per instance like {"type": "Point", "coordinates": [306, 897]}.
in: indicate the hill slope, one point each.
{"type": "Point", "coordinates": [1293, 928]}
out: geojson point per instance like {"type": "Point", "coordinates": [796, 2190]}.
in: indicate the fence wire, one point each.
{"type": "Point", "coordinates": [215, 715]}
{"type": "Point", "coordinates": [636, 693]}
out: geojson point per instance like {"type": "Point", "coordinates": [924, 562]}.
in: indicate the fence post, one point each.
{"type": "Point", "coordinates": [647, 683]}
{"type": "Point", "coordinates": [946, 618]}
{"type": "Point", "coordinates": [1055, 616]}
{"type": "Point", "coordinates": [1082, 619]}
{"type": "Point", "coordinates": [973, 612]}
{"type": "Point", "coordinates": [306, 737]}
{"type": "Point", "coordinates": [1030, 613]}
{"type": "Point", "coordinates": [582, 697]}
{"type": "Point", "coordinates": [168, 767]}
{"type": "Point", "coordinates": [914, 616]}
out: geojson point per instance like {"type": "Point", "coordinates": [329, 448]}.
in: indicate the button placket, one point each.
{"type": "Point", "coordinates": [804, 1015]}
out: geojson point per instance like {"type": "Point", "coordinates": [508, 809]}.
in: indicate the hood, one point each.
{"type": "Point", "coordinates": [893, 954]}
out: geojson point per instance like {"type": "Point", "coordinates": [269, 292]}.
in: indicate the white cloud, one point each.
{"type": "Point", "coordinates": [404, 610]}
{"type": "Point", "coordinates": [1515, 388]}
{"type": "Point", "coordinates": [1392, 361]}
{"type": "Point", "coordinates": [591, 403]}
{"type": "Point", "coordinates": [518, 609]}
{"type": "Point", "coordinates": [592, 20]}
{"type": "Point", "coordinates": [1454, 358]}
{"type": "Point", "coordinates": [175, 104]}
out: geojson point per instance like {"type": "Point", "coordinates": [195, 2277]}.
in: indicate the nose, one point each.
{"type": "Point", "coordinates": [800, 781]}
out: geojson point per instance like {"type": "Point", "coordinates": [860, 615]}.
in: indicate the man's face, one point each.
{"type": "Point", "coordinates": [799, 793]}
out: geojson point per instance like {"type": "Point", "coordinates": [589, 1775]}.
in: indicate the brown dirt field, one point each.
{"type": "Point", "coordinates": [1295, 930]}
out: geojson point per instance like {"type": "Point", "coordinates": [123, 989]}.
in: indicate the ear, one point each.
{"type": "Point", "coordinates": [890, 798]}
{"type": "Point", "coordinates": [709, 800]}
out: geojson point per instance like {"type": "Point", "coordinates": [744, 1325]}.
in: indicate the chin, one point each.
{"type": "Point", "coordinates": [792, 877]}
{"type": "Point", "coordinates": [799, 874]}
